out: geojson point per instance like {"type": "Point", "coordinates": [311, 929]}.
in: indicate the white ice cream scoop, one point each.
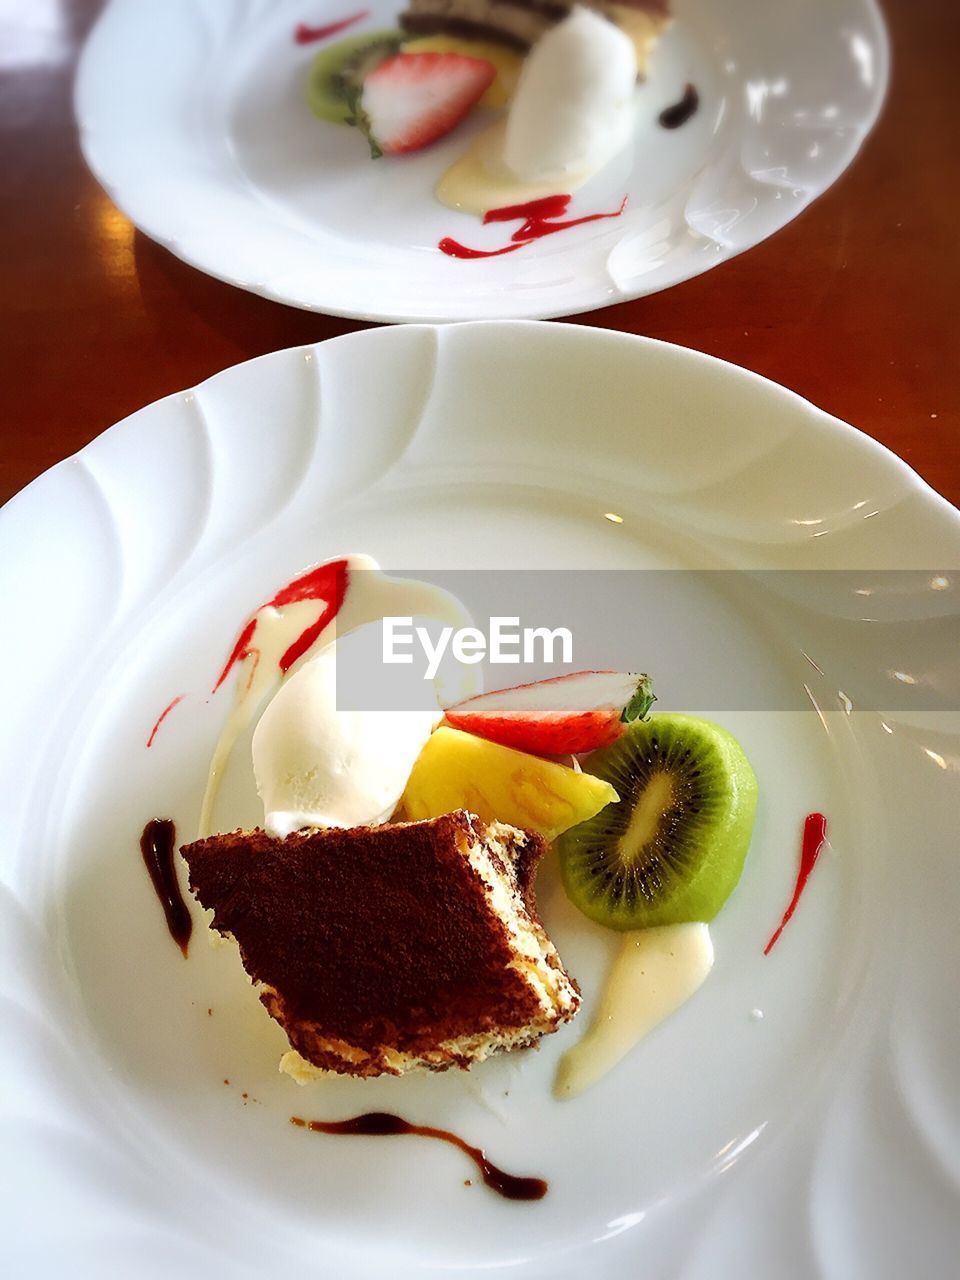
{"type": "Point", "coordinates": [573, 107]}
{"type": "Point", "coordinates": [317, 765]}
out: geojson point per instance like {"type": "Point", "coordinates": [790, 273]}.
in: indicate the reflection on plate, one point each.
{"type": "Point", "coordinates": [149, 1126]}
{"type": "Point", "coordinates": [192, 115]}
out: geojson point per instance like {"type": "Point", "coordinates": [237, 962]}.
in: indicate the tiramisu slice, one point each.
{"type": "Point", "coordinates": [384, 949]}
{"type": "Point", "coordinates": [520, 23]}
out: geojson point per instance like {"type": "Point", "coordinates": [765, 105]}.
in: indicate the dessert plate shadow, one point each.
{"type": "Point", "coordinates": [192, 116]}
{"type": "Point", "coordinates": [146, 1127]}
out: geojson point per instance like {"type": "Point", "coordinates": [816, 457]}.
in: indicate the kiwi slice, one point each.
{"type": "Point", "coordinates": [337, 72]}
{"type": "Point", "coordinates": [672, 848]}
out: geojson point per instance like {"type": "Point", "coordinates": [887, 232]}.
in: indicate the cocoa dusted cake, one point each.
{"type": "Point", "coordinates": [520, 23]}
{"type": "Point", "coordinates": [384, 949]}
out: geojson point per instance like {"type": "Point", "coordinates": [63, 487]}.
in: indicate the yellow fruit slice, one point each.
{"type": "Point", "coordinates": [507, 62]}
{"type": "Point", "coordinates": [644, 29]}
{"type": "Point", "coordinates": [455, 770]}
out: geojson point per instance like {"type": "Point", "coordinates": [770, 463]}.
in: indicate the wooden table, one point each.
{"type": "Point", "coordinates": [854, 304]}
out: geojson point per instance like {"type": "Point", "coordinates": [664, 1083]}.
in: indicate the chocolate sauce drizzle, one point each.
{"type": "Point", "coordinates": [382, 1123]}
{"type": "Point", "coordinates": [157, 844]}
{"type": "Point", "coordinates": [673, 117]}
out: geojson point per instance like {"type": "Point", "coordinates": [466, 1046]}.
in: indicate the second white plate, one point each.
{"type": "Point", "coordinates": [192, 115]}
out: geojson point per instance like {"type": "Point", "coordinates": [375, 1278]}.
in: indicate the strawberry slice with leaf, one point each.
{"type": "Point", "coordinates": [412, 99]}
{"type": "Point", "coordinates": [562, 716]}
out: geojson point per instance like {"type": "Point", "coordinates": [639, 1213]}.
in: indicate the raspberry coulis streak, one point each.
{"type": "Point", "coordinates": [305, 34]}
{"type": "Point", "coordinates": [328, 582]}
{"type": "Point", "coordinates": [814, 837]}
{"type": "Point", "coordinates": [454, 249]}
{"type": "Point", "coordinates": [538, 221]}
{"type": "Point", "coordinates": [545, 207]}
{"type": "Point", "coordinates": [163, 715]}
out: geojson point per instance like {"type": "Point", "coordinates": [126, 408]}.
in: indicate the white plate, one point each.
{"type": "Point", "coordinates": [822, 1140]}
{"type": "Point", "coordinates": [191, 115]}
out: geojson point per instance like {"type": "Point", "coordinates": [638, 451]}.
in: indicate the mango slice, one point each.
{"type": "Point", "coordinates": [455, 770]}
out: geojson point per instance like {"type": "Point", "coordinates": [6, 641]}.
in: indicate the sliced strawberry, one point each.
{"type": "Point", "coordinates": [412, 99]}
{"type": "Point", "coordinates": [563, 716]}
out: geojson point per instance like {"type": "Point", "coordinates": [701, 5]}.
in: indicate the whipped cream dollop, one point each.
{"type": "Point", "coordinates": [318, 765]}
{"type": "Point", "coordinates": [573, 107]}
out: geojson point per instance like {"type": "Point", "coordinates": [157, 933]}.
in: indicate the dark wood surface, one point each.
{"type": "Point", "coordinates": [854, 305]}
